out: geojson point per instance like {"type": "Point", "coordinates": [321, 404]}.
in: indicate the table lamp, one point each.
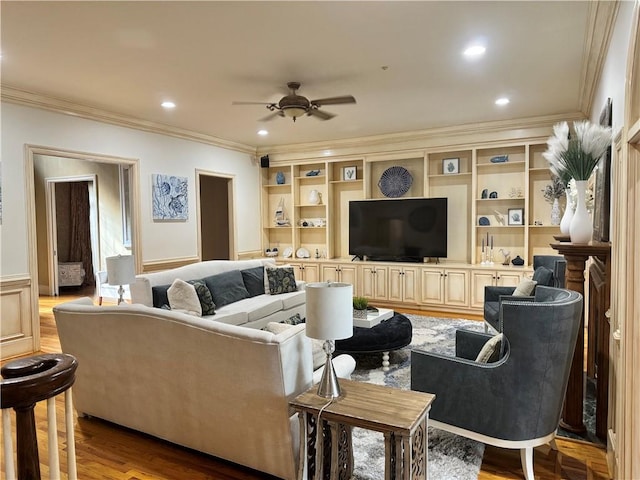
{"type": "Point", "coordinates": [121, 271]}
{"type": "Point", "coordinates": [329, 318]}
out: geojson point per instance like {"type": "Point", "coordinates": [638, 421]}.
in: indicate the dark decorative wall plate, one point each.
{"type": "Point", "coordinates": [395, 182]}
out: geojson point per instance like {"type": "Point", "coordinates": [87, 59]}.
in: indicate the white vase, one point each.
{"type": "Point", "coordinates": [581, 227]}
{"type": "Point", "coordinates": [555, 212]}
{"type": "Point", "coordinates": [565, 223]}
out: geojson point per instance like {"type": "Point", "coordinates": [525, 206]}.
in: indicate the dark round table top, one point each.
{"type": "Point", "coordinates": [388, 335]}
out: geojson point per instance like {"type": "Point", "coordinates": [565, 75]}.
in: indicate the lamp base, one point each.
{"type": "Point", "coordinates": [121, 294]}
{"type": "Point", "coordinates": [329, 386]}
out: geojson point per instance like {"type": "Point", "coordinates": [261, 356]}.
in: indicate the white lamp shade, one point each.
{"type": "Point", "coordinates": [329, 310]}
{"type": "Point", "coordinates": [121, 270]}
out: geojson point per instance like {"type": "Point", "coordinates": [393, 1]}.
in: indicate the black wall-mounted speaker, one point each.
{"type": "Point", "coordinates": [264, 161]}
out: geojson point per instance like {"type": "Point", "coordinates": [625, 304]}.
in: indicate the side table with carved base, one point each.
{"type": "Point", "coordinates": [325, 445]}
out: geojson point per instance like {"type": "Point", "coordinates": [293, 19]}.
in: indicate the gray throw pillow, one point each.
{"type": "Point", "coordinates": [543, 276]}
{"type": "Point", "coordinates": [254, 280]}
{"type": "Point", "coordinates": [159, 294]}
{"type": "Point", "coordinates": [226, 288]}
{"type": "Point", "coordinates": [281, 280]}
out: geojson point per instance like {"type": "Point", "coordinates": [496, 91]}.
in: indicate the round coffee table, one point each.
{"type": "Point", "coordinates": [386, 336]}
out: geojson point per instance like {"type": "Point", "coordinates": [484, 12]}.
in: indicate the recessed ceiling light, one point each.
{"type": "Point", "coordinates": [474, 51]}
{"type": "Point", "coordinates": [263, 132]}
{"type": "Point", "coordinates": [168, 105]}
{"type": "Point", "coordinates": [502, 101]}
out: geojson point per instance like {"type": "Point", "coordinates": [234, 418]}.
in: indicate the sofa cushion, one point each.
{"type": "Point", "coordinates": [292, 299]}
{"type": "Point", "coordinates": [159, 293]}
{"type": "Point", "coordinates": [524, 288]}
{"type": "Point", "coordinates": [183, 297]}
{"type": "Point", "coordinates": [226, 288]}
{"type": "Point", "coordinates": [253, 279]}
{"type": "Point", "coordinates": [281, 280]}
{"type": "Point", "coordinates": [266, 277]}
{"type": "Point", "coordinates": [543, 276]}
{"type": "Point", "coordinates": [490, 350]}
{"type": "Point", "coordinates": [254, 307]}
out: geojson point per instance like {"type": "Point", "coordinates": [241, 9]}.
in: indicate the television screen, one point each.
{"type": "Point", "coordinates": [398, 230]}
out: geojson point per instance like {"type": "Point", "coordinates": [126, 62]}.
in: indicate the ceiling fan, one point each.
{"type": "Point", "coordinates": [294, 105]}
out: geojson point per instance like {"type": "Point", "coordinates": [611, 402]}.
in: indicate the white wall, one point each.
{"type": "Point", "coordinates": [612, 79]}
{"type": "Point", "coordinates": [156, 153]}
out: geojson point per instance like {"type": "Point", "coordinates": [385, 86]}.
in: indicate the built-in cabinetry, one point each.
{"type": "Point", "coordinates": [486, 277]}
{"type": "Point", "coordinates": [445, 286]}
{"type": "Point", "coordinates": [496, 208]}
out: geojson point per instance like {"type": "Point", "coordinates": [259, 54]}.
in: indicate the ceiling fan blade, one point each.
{"type": "Point", "coordinates": [314, 112]}
{"type": "Point", "coordinates": [251, 103]}
{"type": "Point", "coordinates": [334, 100]}
{"type": "Point", "coordinates": [271, 116]}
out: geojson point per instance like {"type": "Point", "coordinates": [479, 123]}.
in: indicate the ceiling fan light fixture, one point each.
{"type": "Point", "coordinates": [294, 112]}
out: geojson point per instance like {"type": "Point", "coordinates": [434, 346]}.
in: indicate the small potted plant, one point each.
{"type": "Point", "coordinates": [360, 305]}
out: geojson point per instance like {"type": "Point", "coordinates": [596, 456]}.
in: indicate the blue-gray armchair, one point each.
{"type": "Point", "coordinates": [549, 270]}
{"type": "Point", "coordinates": [515, 401]}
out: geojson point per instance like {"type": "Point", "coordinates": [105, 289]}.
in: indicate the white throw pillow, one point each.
{"type": "Point", "coordinates": [319, 357]}
{"type": "Point", "coordinates": [489, 348]}
{"type": "Point", "coordinates": [524, 288]}
{"type": "Point", "coordinates": [183, 297]}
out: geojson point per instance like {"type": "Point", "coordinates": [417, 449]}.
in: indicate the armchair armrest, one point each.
{"type": "Point", "coordinates": [469, 343]}
{"type": "Point", "coordinates": [492, 294]}
{"type": "Point", "coordinates": [513, 298]}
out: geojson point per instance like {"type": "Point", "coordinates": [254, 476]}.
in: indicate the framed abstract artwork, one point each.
{"type": "Point", "coordinates": [170, 197]}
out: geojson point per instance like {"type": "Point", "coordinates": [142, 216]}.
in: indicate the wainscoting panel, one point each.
{"type": "Point", "coordinates": [19, 332]}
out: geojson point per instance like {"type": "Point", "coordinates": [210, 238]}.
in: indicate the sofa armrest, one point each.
{"type": "Point", "coordinates": [492, 294]}
{"type": "Point", "coordinates": [344, 365]}
{"type": "Point", "coordinates": [301, 284]}
{"type": "Point", "coordinates": [469, 343]}
{"type": "Point", "coordinates": [519, 298]}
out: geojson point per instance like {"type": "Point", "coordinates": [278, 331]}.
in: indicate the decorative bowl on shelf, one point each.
{"type": "Point", "coordinates": [518, 261]}
{"type": "Point", "coordinates": [312, 173]}
{"type": "Point", "coordinates": [499, 159]}
{"type": "Point", "coordinates": [395, 182]}
{"type": "Point", "coordinates": [484, 221]}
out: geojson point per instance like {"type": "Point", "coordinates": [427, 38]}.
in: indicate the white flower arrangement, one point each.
{"type": "Point", "coordinates": [576, 157]}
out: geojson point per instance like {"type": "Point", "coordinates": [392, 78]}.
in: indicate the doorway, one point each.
{"type": "Point", "coordinates": [73, 231]}
{"type": "Point", "coordinates": [216, 232]}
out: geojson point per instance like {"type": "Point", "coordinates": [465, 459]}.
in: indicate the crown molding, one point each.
{"type": "Point", "coordinates": [601, 22]}
{"type": "Point", "coordinates": [458, 135]}
{"type": "Point", "coordinates": [30, 99]}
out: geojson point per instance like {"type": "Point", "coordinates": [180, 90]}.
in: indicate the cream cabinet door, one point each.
{"type": "Point", "coordinates": [432, 286]}
{"type": "Point", "coordinates": [479, 280]}
{"type": "Point", "coordinates": [311, 272]}
{"type": "Point", "coordinates": [330, 273]}
{"type": "Point", "coordinates": [403, 284]}
{"type": "Point", "coordinates": [374, 282]}
{"type": "Point", "coordinates": [456, 288]}
{"type": "Point", "coordinates": [347, 274]}
{"type": "Point", "coordinates": [508, 278]}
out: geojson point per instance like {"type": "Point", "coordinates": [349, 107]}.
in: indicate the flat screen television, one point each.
{"type": "Point", "coordinates": [400, 230]}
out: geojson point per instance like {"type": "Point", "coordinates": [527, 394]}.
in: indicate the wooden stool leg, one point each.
{"type": "Point", "coordinates": [72, 472]}
{"type": "Point", "coordinates": [52, 435]}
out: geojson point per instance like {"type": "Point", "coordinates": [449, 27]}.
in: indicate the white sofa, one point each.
{"type": "Point", "coordinates": [217, 388]}
{"type": "Point", "coordinates": [253, 312]}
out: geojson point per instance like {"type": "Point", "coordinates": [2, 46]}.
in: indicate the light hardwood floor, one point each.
{"type": "Point", "coordinates": [106, 451]}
